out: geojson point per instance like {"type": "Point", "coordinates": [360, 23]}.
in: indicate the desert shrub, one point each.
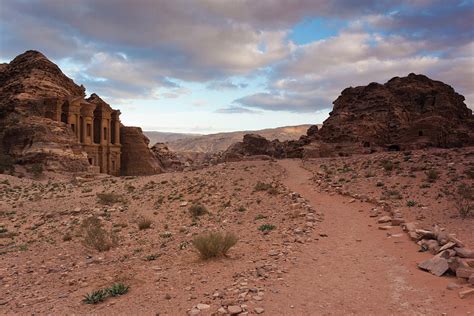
{"type": "Point", "coordinates": [36, 169]}
{"type": "Point", "coordinates": [197, 210]}
{"type": "Point", "coordinates": [260, 216]}
{"type": "Point", "coordinates": [110, 198]}
{"type": "Point", "coordinates": [117, 289]}
{"type": "Point", "coordinates": [214, 244]}
{"type": "Point", "coordinates": [266, 227]}
{"type": "Point", "coordinates": [261, 186]}
{"type": "Point", "coordinates": [464, 201]}
{"type": "Point", "coordinates": [241, 209]}
{"type": "Point", "coordinates": [432, 175]}
{"type": "Point", "coordinates": [411, 203]}
{"type": "Point", "coordinates": [144, 223]}
{"type": "Point", "coordinates": [95, 297]}
{"type": "Point", "coordinates": [387, 165]}
{"type": "Point", "coordinates": [95, 236]}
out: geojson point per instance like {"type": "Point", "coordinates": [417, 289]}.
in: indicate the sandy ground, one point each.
{"type": "Point", "coordinates": [324, 257]}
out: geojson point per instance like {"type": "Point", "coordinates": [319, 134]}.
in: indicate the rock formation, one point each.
{"type": "Point", "coordinates": [405, 113]}
{"type": "Point", "coordinates": [168, 159]}
{"type": "Point", "coordinates": [137, 159]}
{"type": "Point", "coordinates": [412, 112]}
{"type": "Point", "coordinates": [45, 119]}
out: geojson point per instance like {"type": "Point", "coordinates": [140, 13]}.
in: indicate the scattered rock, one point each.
{"type": "Point", "coordinates": [436, 265]}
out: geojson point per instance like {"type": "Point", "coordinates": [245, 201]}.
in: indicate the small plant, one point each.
{"type": "Point", "coordinates": [109, 198]}
{"type": "Point", "coordinates": [432, 175]}
{"type": "Point", "coordinates": [95, 297]}
{"type": "Point", "coordinates": [99, 296]}
{"type": "Point", "coordinates": [151, 257]}
{"type": "Point", "coordinates": [260, 216]}
{"type": "Point", "coordinates": [380, 184]}
{"type": "Point", "coordinates": [241, 209]}
{"type": "Point", "coordinates": [387, 165]}
{"type": "Point", "coordinates": [465, 200]}
{"type": "Point", "coordinates": [37, 170]}
{"type": "Point", "coordinates": [214, 244]}
{"type": "Point", "coordinates": [166, 235]}
{"type": "Point", "coordinates": [95, 236]}
{"type": "Point", "coordinates": [197, 210]}
{"type": "Point", "coordinates": [260, 186]}
{"type": "Point", "coordinates": [411, 203]}
{"type": "Point", "coordinates": [266, 227]}
{"type": "Point", "coordinates": [144, 223]}
{"type": "Point", "coordinates": [117, 289]}
{"type": "Point", "coordinates": [67, 237]}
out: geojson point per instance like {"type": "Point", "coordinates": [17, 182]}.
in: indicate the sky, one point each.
{"type": "Point", "coordinates": [207, 66]}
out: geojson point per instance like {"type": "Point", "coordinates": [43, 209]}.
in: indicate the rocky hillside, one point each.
{"type": "Point", "coordinates": [165, 137]}
{"type": "Point", "coordinates": [213, 143]}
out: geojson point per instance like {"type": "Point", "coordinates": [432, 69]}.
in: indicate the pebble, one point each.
{"type": "Point", "coordinates": [258, 310]}
{"type": "Point", "coordinates": [202, 306]}
{"type": "Point", "coordinates": [234, 309]}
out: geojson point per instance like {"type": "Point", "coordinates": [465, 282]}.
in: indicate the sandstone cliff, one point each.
{"type": "Point", "coordinates": [34, 96]}
{"type": "Point", "coordinates": [137, 159]}
{"type": "Point", "coordinates": [25, 135]}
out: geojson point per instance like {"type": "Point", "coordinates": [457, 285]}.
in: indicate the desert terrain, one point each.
{"type": "Point", "coordinates": [296, 252]}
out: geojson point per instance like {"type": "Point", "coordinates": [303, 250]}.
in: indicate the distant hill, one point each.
{"type": "Point", "coordinates": [221, 141]}
{"type": "Point", "coordinates": [164, 137]}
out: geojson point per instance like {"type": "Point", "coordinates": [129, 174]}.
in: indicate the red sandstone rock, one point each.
{"type": "Point", "coordinates": [404, 113]}
{"type": "Point", "coordinates": [137, 158]}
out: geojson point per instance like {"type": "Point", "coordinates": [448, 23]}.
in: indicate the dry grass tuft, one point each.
{"type": "Point", "coordinates": [214, 244]}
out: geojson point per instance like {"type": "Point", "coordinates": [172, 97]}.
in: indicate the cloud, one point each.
{"type": "Point", "coordinates": [236, 109]}
{"type": "Point", "coordinates": [128, 50]}
{"type": "Point", "coordinates": [226, 85]}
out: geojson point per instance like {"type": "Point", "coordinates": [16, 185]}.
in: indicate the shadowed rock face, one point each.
{"type": "Point", "coordinates": [137, 159]}
{"type": "Point", "coordinates": [405, 113]}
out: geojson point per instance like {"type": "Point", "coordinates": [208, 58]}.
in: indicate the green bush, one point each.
{"type": "Point", "coordinates": [99, 296]}
{"type": "Point", "coordinates": [214, 244]}
{"type": "Point", "coordinates": [95, 297]}
{"type": "Point", "coordinates": [411, 203]}
{"type": "Point", "coordinates": [117, 289]}
{"type": "Point", "coordinates": [266, 227]}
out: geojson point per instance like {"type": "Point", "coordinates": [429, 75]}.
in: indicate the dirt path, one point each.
{"type": "Point", "coordinates": [357, 269]}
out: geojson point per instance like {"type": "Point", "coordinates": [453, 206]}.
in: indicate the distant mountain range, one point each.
{"type": "Point", "coordinates": [221, 141]}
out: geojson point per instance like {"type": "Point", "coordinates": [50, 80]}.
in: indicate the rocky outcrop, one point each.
{"type": "Point", "coordinates": [45, 119]}
{"type": "Point", "coordinates": [256, 145]}
{"type": "Point", "coordinates": [137, 159]}
{"type": "Point", "coordinates": [405, 113]}
{"type": "Point", "coordinates": [169, 160]}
